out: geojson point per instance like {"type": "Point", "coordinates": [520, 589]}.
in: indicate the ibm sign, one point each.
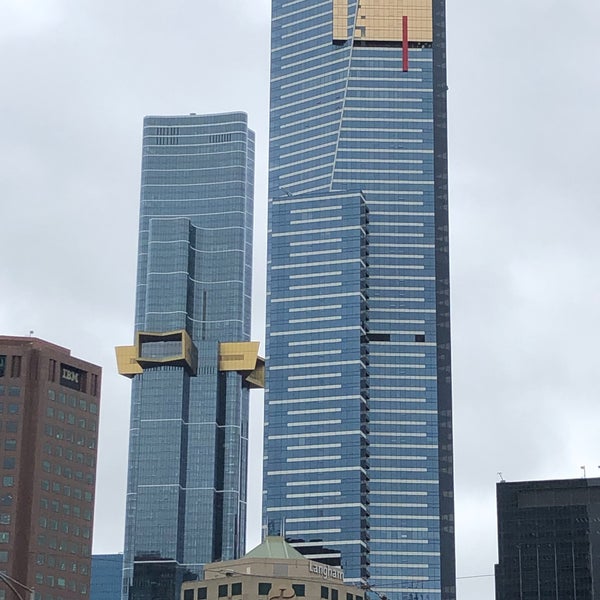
{"type": "Point", "coordinates": [71, 377]}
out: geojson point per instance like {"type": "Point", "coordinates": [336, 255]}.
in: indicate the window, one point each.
{"type": "Point", "coordinates": [13, 409]}
{"type": "Point", "coordinates": [4, 519]}
{"type": "Point", "coordinates": [264, 589]}
{"type": "Point", "coordinates": [419, 337]}
{"type": "Point", "coordinates": [349, 597]}
{"type": "Point", "coordinates": [201, 593]}
{"type": "Point", "coordinates": [334, 594]}
{"type": "Point", "coordinates": [11, 426]}
{"type": "Point", "coordinates": [9, 462]}
{"type": "Point", "coordinates": [4, 537]}
{"type": "Point", "coordinates": [188, 594]}
{"type": "Point", "coordinates": [8, 481]}
{"type": "Point", "coordinates": [324, 592]}
{"type": "Point", "coordinates": [14, 391]}
{"type": "Point", "coordinates": [2, 364]}
{"type": "Point", "coordinates": [223, 591]}
{"type": "Point", "coordinates": [299, 589]}
{"type": "Point", "coordinates": [236, 589]}
{"type": "Point", "coordinates": [10, 444]}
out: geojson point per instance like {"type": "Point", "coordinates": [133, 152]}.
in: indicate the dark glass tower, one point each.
{"type": "Point", "coordinates": [358, 403]}
{"type": "Point", "coordinates": [548, 541]}
{"type": "Point", "coordinates": [192, 363]}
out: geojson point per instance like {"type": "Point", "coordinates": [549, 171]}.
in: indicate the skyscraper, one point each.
{"type": "Point", "coordinates": [358, 434]}
{"type": "Point", "coordinates": [192, 363]}
{"type": "Point", "coordinates": [548, 544]}
{"type": "Point", "coordinates": [49, 403]}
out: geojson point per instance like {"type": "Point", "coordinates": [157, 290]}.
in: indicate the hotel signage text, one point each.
{"type": "Point", "coordinates": [325, 571]}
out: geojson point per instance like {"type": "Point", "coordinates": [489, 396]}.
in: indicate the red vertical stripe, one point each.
{"type": "Point", "coordinates": [405, 43]}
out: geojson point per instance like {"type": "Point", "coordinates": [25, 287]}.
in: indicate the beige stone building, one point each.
{"type": "Point", "coordinates": [274, 570]}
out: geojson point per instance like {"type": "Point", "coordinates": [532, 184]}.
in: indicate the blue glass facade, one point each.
{"type": "Point", "coordinates": [358, 433]}
{"type": "Point", "coordinates": [107, 573]}
{"type": "Point", "coordinates": [186, 497]}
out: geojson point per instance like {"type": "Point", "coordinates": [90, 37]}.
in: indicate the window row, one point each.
{"type": "Point", "coordinates": [73, 402]}
{"type": "Point", "coordinates": [66, 490]}
{"type": "Point", "coordinates": [12, 390]}
{"type": "Point", "coordinates": [63, 545]}
{"type": "Point", "coordinates": [69, 435]}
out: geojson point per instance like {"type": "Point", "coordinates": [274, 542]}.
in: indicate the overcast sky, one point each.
{"type": "Point", "coordinates": [77, 77]}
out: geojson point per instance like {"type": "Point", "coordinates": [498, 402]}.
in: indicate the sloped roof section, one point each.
{"type": "Point", "coordinates": [274, 547]}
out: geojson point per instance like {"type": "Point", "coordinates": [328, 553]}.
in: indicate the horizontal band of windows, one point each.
{"type": "Point", "coordinates": [320, 330]}
{"type": "Point", "coordinates": [402, 566]}
{"type": "Point", "coordinates": [305, 388]}
{"type": "Point", "coordinates": [403, 400]}
{"type": "Point", "coordinates": [403, 411]}
{"type": "Point", "coordinates": [323, 175]}
{"type": "Point", "coordinates": [401, 321]}
{"type": "Point", "coordinates": [310, 342]}
{"type": "Point", "coordinates": [401, 289]}
{"type": "Point", "coordinates": [295, 436]}
{"type": "Point", "coordinates": [313, 286]}
{"type": "Point", "coordinates": [317, 231]}
{"type": "Point", "coordinates": [295, 33]}
{"type": "Point", "coordinates": [399, 354]}
{"type": "Point", "coordinates": [309, 109]}
{"type": "Point", "coordinates": [311, 447]}
{"type": "Point", "coordinates": [318, 70]}
{"type": "Point", "coordinates": [313, 274]}
{"type": "Point", "coordinates": [334, 84]}
{"type": "Point", "coordinates": [400, 505]}
{"type": "Point", "coordinates": [402, 553]}
{"type": "Point", "coordinates": [404, 389]}
{"type": "Point", "coordinates": [322, 306]}
{"type": "Point", "coordinates": [312, 531]}
{"type": "Point", "coordinates": [219, 282]}
{"type": "Point", "coordinates": [398, 434]}
{"type": "Point", "coordinates": [314, 411]}
{"type": "Point", "coordinates": [397, 517]}
{"type": "Point", "coordinates": [317, 200]}
{"type": "Point", "coordinates": [315, 209]}
{"type": "Point", "coordinates": [316, 252]}
{"type": "Point", "coordinates": [374, 308]}
{"type": "Point", "coordinates": [305, 7]}
{"type": "Point", "coordinates": [313, 519]}
{"type": "Point", "coordinates": [331, 127]}
{"type": "Point", "coordinates": [310, 151]}
{"type": "Point", "coordinates": [334, 363]}
{"type": "Point", "coordinates": [312, 459]}
{"type": "Point", "coordinates": [200, 184]}
{"type": "Point", "coordinates": [322, 160]}
{"type": "Point", "coordinates": [300, 42]}
{"type": "Point", "coordinates": [303, 141]}
{"type": "Point", "coordinates": [309, 400]}
{"type": "Point", "coordinates": [406, 446]}
{"type": "Point", "coordinates": [317, 353]}
{"type": "Point", "coordinates": [308, 507]}
{"type": "Point", "coordinates": [334, 543]}
{"type": "Point", "coordinates": [376, 181]}
{"type": "Point", "coordinates": [406, 377]}
{"type": "Point", "coordinates": [319, 120]}
{"type": "Point", "coordinates": [312, 15]}
{"type": "Point", "coordinates": [315, 423]}
{"type": "Point", "coordinates": [399, 470]}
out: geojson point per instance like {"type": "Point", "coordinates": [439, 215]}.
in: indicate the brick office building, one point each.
{"type": "Point", "coordinates": [49, 403]}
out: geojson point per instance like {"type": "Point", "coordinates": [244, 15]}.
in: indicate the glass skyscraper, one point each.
{"type": "Point", "coordinates": [358, 432]}
{"type": "Point", "coordinates": [192, 363]}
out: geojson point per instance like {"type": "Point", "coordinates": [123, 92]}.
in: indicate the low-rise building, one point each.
{"type": "Point", "coordinates": [274, 570]}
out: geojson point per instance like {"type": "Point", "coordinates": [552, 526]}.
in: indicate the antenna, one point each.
{"type": "Point", "coordinates": [31, 333]}
{"type": "Point", "coordinates": [583, 469]}
{"type": "Point", "coordinates": [500, 475]}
